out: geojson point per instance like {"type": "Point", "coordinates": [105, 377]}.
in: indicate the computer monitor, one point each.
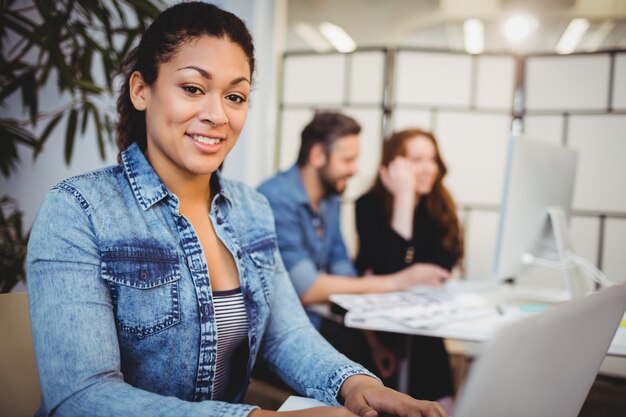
{"type": "Point", "coordinates": [535, 208]}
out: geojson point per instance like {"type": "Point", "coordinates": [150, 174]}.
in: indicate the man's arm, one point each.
{"type": "Point", "coordinates": [325, 285]}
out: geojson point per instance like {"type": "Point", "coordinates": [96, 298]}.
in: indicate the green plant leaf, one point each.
{"type": "Point", "coordinates": [130, 40]}
{"type": "Point", "coordinates": [86, 111]}
{"type": "Point", "coordinates": [10, 88]}
{"type": "Point", "coordinates": [96, 116]}
{"type": "Point", "coordinates": [109, 127]}
{"type": "Point", "coordinates": [46, 133]}
{"type": "Point", "coordinates": [70, 135]}
{"type": "Point", "coordinates": [143, 7]}
{"type": "Point", "coordinates": [65, 74]}
{"type": "Point", "coordinates": [14, 22]}
{"type": "Point", "coordinates": [120, 13]}
{"type": "Point", "coordinates": [29, 95]}
{"type": "Point", "coordinates": [20, 135]}
{"type": "Point", "coordinates": [47, 69]}
{"type": "Point", "coordinates": [16, 16]}
{"type": "Point", "coordinates": [109, 70]}
{"type": "Point", "coordinates": [88, 86]}
{"type": "Point", "coordinates": [12, 135]}
{"type": "Point", "coordinates": [17, 82]}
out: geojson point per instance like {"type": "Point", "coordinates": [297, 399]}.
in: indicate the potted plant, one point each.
{"type": "Point", "coordinates": [67, 39]}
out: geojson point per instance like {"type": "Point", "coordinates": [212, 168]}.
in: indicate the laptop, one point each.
{"type": "Point", "coordinates": [544, 365]}
{"type": "Point", "coordinates": [540, 366]}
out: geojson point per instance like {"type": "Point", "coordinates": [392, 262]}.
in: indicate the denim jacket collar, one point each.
{"type": "Point", "coordinates": [147, 186]}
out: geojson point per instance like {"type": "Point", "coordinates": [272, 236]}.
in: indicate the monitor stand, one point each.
{"type": "Point", "coordinates": [554, 252]}
{"type": "Point", "coordinates": [575, 282]}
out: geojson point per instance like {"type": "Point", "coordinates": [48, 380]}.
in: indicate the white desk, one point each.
{"type": "Point", "coordinates": [474, 330]}
{"type": "Point", "coordinates": [478, 329]}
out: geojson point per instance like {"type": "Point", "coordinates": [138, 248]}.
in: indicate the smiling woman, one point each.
{"type": "Point", "coordinates": [198, 107]}
{"type": "Point", "coordinates": [163, 278]}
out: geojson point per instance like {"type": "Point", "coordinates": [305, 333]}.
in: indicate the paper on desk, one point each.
{"type": "Point", "coordinates": [300, 403]}
{"type": "Point", "coordinates": [362, 303]}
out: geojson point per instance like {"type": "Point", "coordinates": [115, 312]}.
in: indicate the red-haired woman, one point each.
{"type": "Point", "coordinates": [407, 217]}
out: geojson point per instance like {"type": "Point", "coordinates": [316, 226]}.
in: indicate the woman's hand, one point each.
{"type": "Point", "coordinates": [365, 397]}
{"type": "Point", "coordinates": [398, 178]}
{"type": "Point", "coordinates": [421, 274]}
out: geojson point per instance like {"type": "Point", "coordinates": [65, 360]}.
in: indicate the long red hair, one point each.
{"type": "Point", "coordinates": [439, 203]}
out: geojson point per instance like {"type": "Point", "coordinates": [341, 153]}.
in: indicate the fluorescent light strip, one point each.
{"type": "Point", "coordinates": [474, 36]}
{"type": "Point", "coordinates": [312, 37]}
{"type": "Point", "coordinates": [337, 37]}
{"type": "Point", "coordinates": [600, 35]}
{"type": "Point", "coordinates": [572, 36]}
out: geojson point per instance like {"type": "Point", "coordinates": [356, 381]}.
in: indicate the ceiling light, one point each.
{"type": "Point", "coordinates": [337, 37]}
{"type": "Point", "coordinates": [312, 37]}
{"type": "Point", "coordinates": [474, 35]}
{"type": "Point", "coordinates": [572, 36]}
{"type": "Point", "coordinates": [519, 27]}
{"type": "Point", "coordinates": [598, 38]}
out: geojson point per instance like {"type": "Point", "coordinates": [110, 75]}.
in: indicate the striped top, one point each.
{"type": "Point", "coordinates": [232, 332]}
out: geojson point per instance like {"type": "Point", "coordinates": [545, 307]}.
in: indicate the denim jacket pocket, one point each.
{"type": "Point", "coordinates": [144, 288]}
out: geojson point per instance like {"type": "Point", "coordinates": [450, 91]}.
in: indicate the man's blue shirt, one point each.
{"type": "Point", "coordinates": [310, 241]}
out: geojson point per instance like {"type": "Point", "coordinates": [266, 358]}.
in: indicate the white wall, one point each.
{"type": "Point", "coordinates": [252, 160]}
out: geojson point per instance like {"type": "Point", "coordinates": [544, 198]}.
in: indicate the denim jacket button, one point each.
{"type": "Point", "coordinates": [205, 310]}
{"type": "Point", "coordinates": [143, 275]}
{"type": "Point", "coordinates": [220, 221]}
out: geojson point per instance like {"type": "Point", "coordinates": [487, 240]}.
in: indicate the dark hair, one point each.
{"type": "Point", "coordinates": [325, 128]}
{"type": "Point", "coordinates": [170, 30]}
{"type": "Point", "coordinates": [439, 203]}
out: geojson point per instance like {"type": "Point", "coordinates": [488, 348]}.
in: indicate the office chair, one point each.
{"type": "Point", "coordinates": [19, 384]}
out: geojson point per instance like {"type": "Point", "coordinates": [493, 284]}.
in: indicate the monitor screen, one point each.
{"type": "Point", "coordinates": [539, 176]}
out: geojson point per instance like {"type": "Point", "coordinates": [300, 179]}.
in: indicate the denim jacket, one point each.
{"type": "Point", "coordinates": [121, 303]}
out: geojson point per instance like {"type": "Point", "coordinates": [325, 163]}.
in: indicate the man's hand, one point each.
{"type": "Point", "coordinates": [365, 397]}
